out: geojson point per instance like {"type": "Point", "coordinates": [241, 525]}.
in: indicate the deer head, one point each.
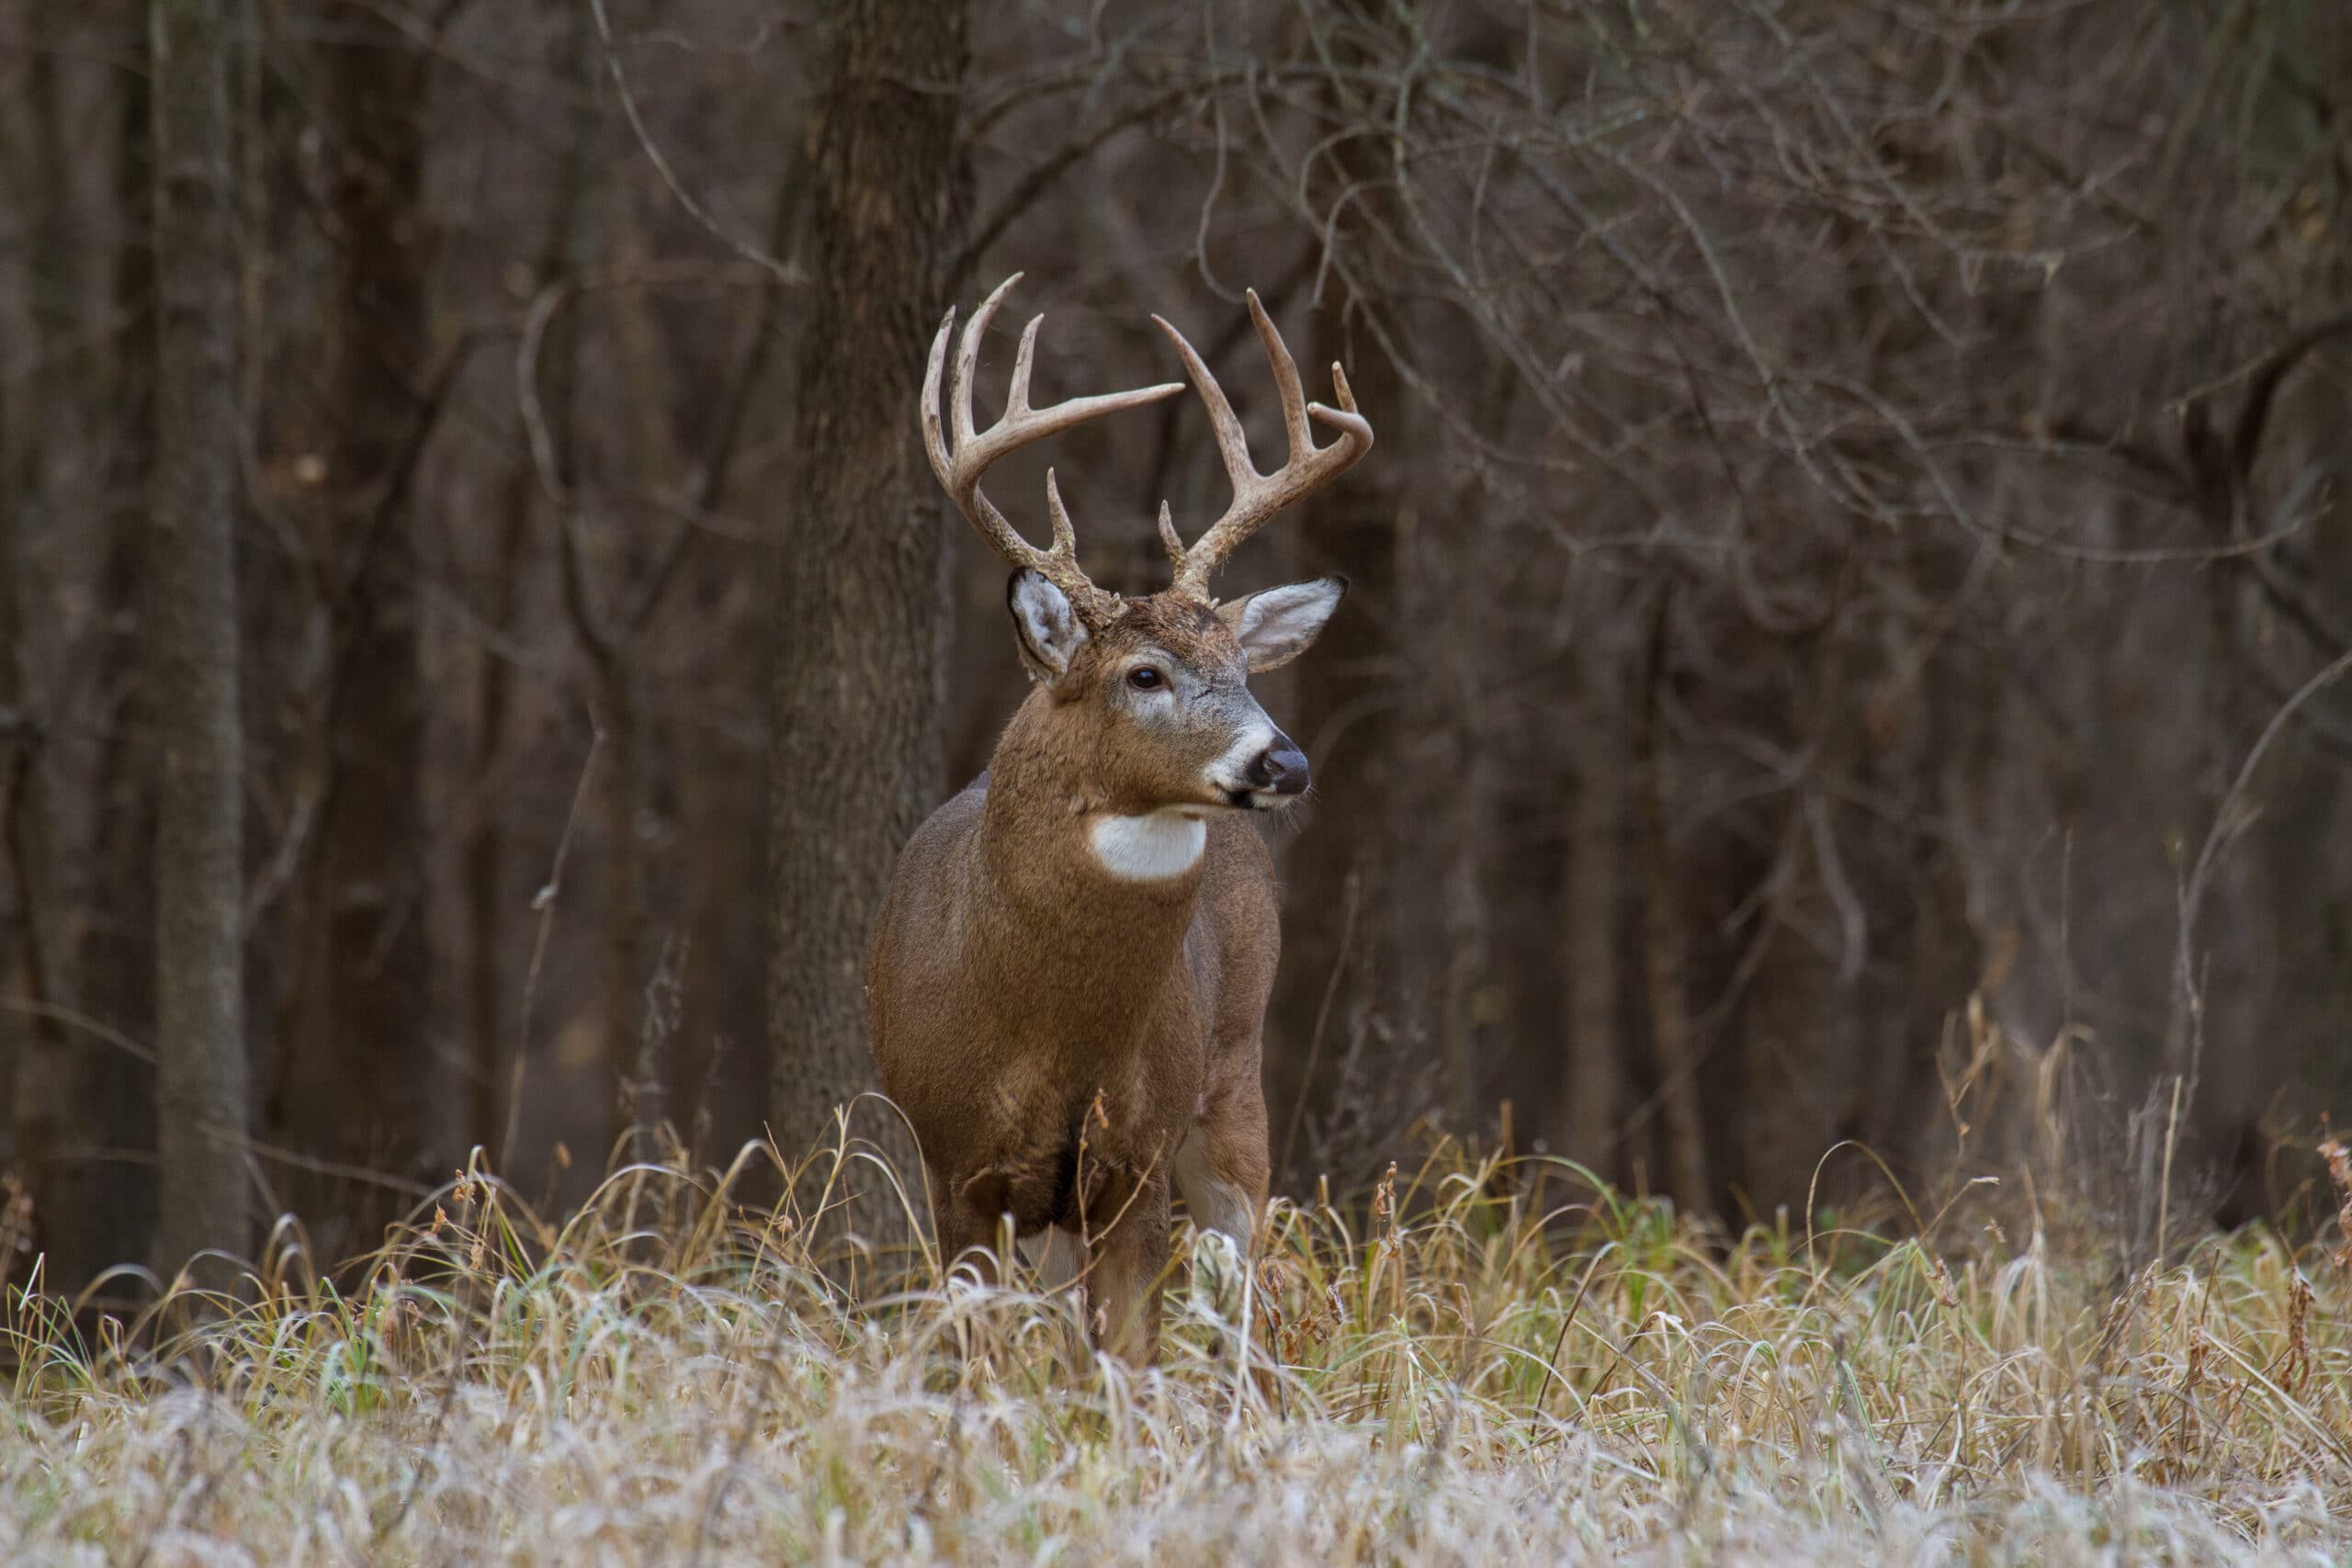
{"type": "Point", "coordinates": [1146, 715]}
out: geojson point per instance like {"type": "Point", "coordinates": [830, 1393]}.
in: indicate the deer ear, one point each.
{"type": "Point", "coordinates": [1276, 625]}
{"type": "Point", "coordinates": [1043, 622]}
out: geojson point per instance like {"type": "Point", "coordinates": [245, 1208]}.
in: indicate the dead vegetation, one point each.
{"type": "Point", "coordinates": [1490, 1365]}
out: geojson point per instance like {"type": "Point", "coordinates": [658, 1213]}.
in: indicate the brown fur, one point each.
{"type": "Point", "coordinates": [1014, 981]}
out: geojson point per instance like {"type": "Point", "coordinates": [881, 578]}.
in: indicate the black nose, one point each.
{"type": "Point", "coordinates": [1281, 767]}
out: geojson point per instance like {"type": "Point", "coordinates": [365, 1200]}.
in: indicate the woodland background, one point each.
{"type": "Point", "coordinates": [1849, 597]}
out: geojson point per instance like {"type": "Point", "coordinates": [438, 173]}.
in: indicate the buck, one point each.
{"type": "Point", "coordinates": [1069, 980]}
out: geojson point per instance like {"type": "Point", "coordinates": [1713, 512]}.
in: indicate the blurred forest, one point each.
{"type": "Point", "coordinates": [1848, 599]}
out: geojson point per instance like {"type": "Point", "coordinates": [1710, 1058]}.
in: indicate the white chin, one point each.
{"type": "Point", "coordinates": [1235, 797]}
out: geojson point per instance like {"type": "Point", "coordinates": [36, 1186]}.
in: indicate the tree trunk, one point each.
{"type": "Point", "coordinates": [357, 1086]}
{"type": "Point", "coordinates": [1664, 951]}
{"type": "Point", "coordinates": [860, 606]}
{"type": "Point", "coordinates": [489, 1026]}
{"type": "Point", "coordinates": [1439, 822]}
{"type": "Point", "coordinates": [1349, 1024]}
{"type": "Point", "coordinates": [721, 1101]}
{"type": "Point", "coordinates": [40, 1059]}
{"type": "Point", "coordinates": [635, 1055]}
{"type": "Point", "coordinates": [82, 1112]}
{"type": "Point", "coordinates": [102, 1211]}
{"type": "Point", "coordinates": [1592, 908]}
{"type": "Point", "coordinates": [1329, 993]}
{"type": "Point", "coordinates": [192, 622]}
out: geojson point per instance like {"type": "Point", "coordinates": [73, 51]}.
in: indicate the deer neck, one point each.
{"type": "Point", "coordinates": [1093, 899]}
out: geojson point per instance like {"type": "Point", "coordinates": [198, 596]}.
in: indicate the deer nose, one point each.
{"type": "Point", "coordinates": [1280, 768]}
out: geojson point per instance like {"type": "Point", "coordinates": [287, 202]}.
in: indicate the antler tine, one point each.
{"type": "Point", "coordinates": [959, 468]}
{"type": "Point", "coordinates": [1065, 536]}
{"type": "Point", "coordinates": [1169, 538]}
{"type": "Point", "coordinates": [959, 472]}
{"type": "Point", "coordinates": [1286, 382]}
{"type": "Point", "coordinates": [1232, 444]}
{"type": "Point", "coordinates": [935, 438]}
{"type": "Point", "coordinates": [967, 355]}
{"type": "Point", "coordinates": [1258, 498]}
{"type": "Point", "coordinates": [1016, 398]}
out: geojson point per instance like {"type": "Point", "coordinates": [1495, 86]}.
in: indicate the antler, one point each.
{"type": "Point", "coordinates": [959, 471]}
{"type": "Point", "coordinates": [1258, 497]}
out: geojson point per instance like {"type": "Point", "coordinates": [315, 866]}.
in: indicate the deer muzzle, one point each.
{"type": "Point", "coordinates": [1262, 770]}
{"type": "Point", "coordinates": [1279, 770]}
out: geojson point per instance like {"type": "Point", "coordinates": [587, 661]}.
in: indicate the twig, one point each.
{"type": "Point", "coordinates": [1322, 1017]}
{"type": "Point", "coordinates": [782, 272]}
{"type": "Point", "coordinates": [543, 903]}
{"type": "Point", "coordinates": [2188, 1027]}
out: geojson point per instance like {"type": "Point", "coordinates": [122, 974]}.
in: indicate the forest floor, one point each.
{"type": "Point", "coordinates": [1467, 1375]}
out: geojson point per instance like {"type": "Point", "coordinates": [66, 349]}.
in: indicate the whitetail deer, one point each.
{"type": "Point", "coordinates": [1071, 973]}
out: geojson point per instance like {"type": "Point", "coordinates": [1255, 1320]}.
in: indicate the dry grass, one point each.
{"type": "Point", "coordinates": [671, 1379]}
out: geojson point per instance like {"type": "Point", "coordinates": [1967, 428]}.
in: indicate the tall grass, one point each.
{"type": "Point", "coordinates": [1475, 1369]}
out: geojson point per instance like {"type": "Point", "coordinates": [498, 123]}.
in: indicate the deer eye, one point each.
{"type": "Point", "coordinates": [1144, 677]}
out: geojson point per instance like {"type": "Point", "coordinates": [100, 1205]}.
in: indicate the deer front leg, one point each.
{"type": "Point", "coordinates": [1053, 1254]}
{"type": "Point", "coordinates": [1129, 1257]}
{"type": "Point", "coordinates": [1221, 1166]}
{"type": "Point", "coordinates": [970, 1210]}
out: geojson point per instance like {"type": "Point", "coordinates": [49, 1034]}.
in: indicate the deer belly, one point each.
{"type": "Point", "coordinates": [1082, 1177]}
{"type": "Point", "coordinates": [1037, 1193]}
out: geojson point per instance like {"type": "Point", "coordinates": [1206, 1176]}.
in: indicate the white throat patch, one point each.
{"type": "Point", "coordinates": [1150, 847]}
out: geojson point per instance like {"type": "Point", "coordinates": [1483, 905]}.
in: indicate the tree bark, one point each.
{"type": "Point", "coordinates": [84, 1112]}
{"type": "Point", "coordinates": [1439, 821]}
{"type": "Point", "coordinates": [1665, 957]}
{"type": "Point", "coordinates": [192, 625]}
{"type": "Point", "coordinates": [860, 606]}
{"type": "Point", "coordinates": [41, 1059]}
{"type": "Point", "coordinates": [1324, 1056]}
{"type": "Point", "coordinates": [1592, 909]}
{"type": "Point", "coordinates": [489, 1026]}
{"type": "Point", "coordinates": [109, 1203]}
{"type": "Point", "coordinates": [1349, 1024]}
{"type": "Point", "coordinates": [356, 1082]}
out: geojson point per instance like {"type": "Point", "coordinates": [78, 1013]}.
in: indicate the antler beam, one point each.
{"type": "Point", "coordinates": [960, 468]}
{"type": "Point", "coordinates": [1258, 497]}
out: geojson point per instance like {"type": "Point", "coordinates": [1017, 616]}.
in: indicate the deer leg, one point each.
{"type": "Point", "coordinates": [971, 1213]}
{"type": "Point", "coordinates": [1221, 1166]}
{"type": "Point", "coordinates": [1058, 1258]}
{"type": "Point", "coordinates": [966, 1237]}
{"type": "Point", "coordinates": [1054, 1253]}
{"type": "Point", "coordinates": [1129, 1263]}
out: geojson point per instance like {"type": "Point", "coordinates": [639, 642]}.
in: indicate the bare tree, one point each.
{"type": "Point", "coordinates": [1973, 379]}
{"type": "Point", "coordinates": [860, 599]}
{"type": "Point", "coordinates": [44, 1104]}
{"type": "Point", "coordinates": [356, 1075]}
{"type": "Point", "coordinates": [192, 622]}
{"type": "Point", "coordinates": [1592, 912]}
{"type": "Point", "coordinates": [40, 1059]}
